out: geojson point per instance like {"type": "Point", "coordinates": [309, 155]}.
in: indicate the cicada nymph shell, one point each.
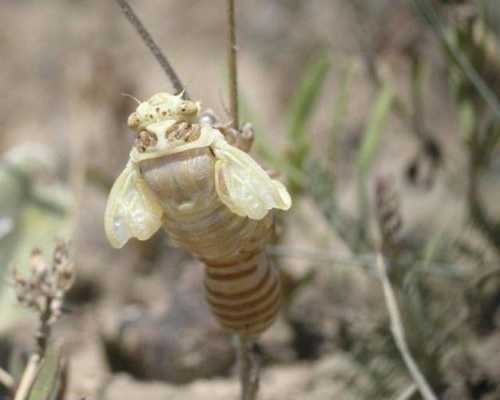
{"type": "Point", "coordinates": [212, 198]}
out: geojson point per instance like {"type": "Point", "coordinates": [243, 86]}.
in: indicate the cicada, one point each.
{"type": "Point", "coordinates": [211, 197]}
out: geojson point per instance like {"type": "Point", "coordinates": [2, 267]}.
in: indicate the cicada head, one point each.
{"type": "Point", "coordinates": [163, 107]}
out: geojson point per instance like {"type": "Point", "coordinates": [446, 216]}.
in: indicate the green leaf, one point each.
{"type": "Point", "coordinates": [302, 108]}
{"type": "Point", "coordinates": [340, 106]}
{"type": "Point", "coordinates": [305, 99]}
{"type": "Point", "coordinates": [367, 152]}
{"type": "Point", "coordinates": [374, 129]}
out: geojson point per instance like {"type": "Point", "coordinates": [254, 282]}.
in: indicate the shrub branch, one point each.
{"type": "Point", "coordinates": [398, 332]}
{"type": "Point", "coordinates": [232, 62]}
{"type": "Point", "coordinates": [155, 49]}
{"type": "Point", "coordinates": [249, 369]}
{"type": "Point", "coordinates": [6, 379]}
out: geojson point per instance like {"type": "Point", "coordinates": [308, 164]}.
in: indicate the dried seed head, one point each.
{"type": "Point", "coordinates": [388, 213]}
{"type": "Point", "coordinates": [45, 287]}
{"type": "Point", "coordinates": [63, 269]}
{"type": "Point", "coordinates": [38, 266]}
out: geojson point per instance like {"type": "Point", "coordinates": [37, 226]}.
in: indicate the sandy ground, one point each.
{"type": "Point", "coordinates": [139, 326]}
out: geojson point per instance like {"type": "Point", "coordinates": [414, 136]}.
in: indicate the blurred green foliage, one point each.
{"type": "Point", "coordinates": [374, 129]}
{"type": "Point", "coordinates": [33, 212]}
{"type": "Point", "coordinates": [302, 108]}
{"type": "Point", "coordinates": [340, 108]}
{"type": "Point", "coordinates": [372, 135]}
{"type": "Point", "coordinates": [491, 15]}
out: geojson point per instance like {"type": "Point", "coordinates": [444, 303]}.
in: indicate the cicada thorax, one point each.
{"type": "Point", "coordinates": [242, 287]}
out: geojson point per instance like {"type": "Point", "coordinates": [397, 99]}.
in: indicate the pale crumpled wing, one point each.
{"type": "Point", "coordinates": [243, 186]}
{"type": "Point", "coordinates": [132, 209]}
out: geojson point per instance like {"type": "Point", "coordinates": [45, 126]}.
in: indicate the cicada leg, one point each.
{"type": "Point", "coordinates": [239, 138]}
{"type": "Point", "coordinates": [245, 137]}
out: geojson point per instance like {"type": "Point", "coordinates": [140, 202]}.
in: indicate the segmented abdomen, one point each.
{"type": "Point", "coordinates": [245, 297]}
{"type": "Point", "coordinates": [242, 287]}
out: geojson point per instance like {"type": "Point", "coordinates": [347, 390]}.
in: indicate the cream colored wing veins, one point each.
{"type": "Point", "coordinates": [244, 186]}
{"type": "Point", "coordinates": [132, 209]}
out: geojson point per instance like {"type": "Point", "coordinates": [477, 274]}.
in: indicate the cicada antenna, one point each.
{"type": "Point", "coordinates": [132, 97]}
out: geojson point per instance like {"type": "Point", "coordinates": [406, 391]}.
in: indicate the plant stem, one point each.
{"type": "Point", "coordinates": [232, 62]}
{"type": "Point", "coordinates": [6, 379]}
{"type": "Point", "coordinates": [155, 49]}
{"type": "Point", "coordinates": [399, 334]}
{"type": "Point", "coordinates": [249, 369]}
{"type": "Point", "coordinates": [28, 378]}
{"type": "Point", "coordinates": [42, 338]}
{"type": "Point", "coordinates": [44, 330]}
{"type": "Point", "coordinates": [408, 392]}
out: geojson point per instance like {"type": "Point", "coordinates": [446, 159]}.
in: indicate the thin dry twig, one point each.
{"type": "Point", "coordinates": [249, 366]}
{"type": "Point", "coordinates": [249, 369]}
{"type": "Point", "coordinates": [6, 379]}
{"type": "Point", "coordinates": [232, 62]}
{"type": "Point", "coordinates": [399, 333]}
{"type": "Point", "coordinates": [408, 392]}
{"type": "Point", "coordinates": [28, 378]}
{"type": "Point", "coordinates": [155, 49]}
{"type": "Point", "coordinates": [44, 330]}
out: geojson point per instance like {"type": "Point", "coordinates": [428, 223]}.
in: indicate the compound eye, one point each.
{"type": "Point", "coordinates": [133, 121]}
{"type": "Point", "coordinates": [187, 107]}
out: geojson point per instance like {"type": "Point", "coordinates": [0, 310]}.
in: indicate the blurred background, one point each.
{"type": "Point", "coordinates": [381, 116]}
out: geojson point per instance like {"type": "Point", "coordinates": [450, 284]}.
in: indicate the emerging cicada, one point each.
{"type": "Point", "coordinates": [212, 198]}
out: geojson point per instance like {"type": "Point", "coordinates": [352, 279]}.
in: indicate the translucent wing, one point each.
{"type": "Point", "coordinates": [132, 209]}
{"type": "Point", "coordinates": [244, 186]}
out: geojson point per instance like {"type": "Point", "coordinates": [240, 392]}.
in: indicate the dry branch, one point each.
{"type": "Point", "coordinates": [6, 379]}
{"type": "Point", "coordinates": [232, 62]}
{"type": "Point", "coordinates": [249, 369]}
{"type": "Point", "coordinates": [399, 333]}
{"type": "Point", "coordinates": [155, 49]}
{"type": "Point", "coordinates": [249, 366]}
{"type": "Point", "coordinates": [28, 378]}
